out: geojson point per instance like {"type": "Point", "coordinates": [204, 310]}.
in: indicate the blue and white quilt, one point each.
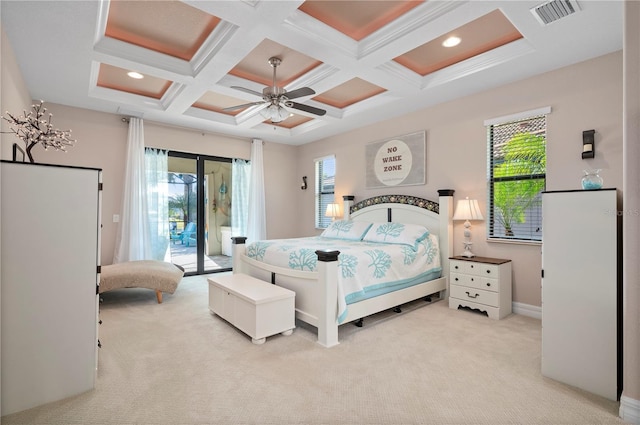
{"type": "Point", "coordinates": [365, 269]}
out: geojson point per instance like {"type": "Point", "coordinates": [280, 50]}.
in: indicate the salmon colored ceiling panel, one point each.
{"type": "Point", "coordinates": [348, 93]}
{"type": "Point", "coordinates": [479, 36]}
{"type": "Point", "coordinates": [216, 102]}
{"type": "Point", "coordinates": [169, 27]}
{"type": "Point", "coordinates": [115, 78]}
{"type": "Point", "coordinates": [255, 66]}
{"type": "Point", "coordinates": [356, 18]}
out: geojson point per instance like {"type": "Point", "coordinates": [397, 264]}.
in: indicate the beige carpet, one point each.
{"type": "Point", "coordinates": [175, 363]}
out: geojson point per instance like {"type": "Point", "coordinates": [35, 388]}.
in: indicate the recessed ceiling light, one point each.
{"type": "Point", "coordinates": [451, 41]}
{"type": "Point", "coordinates": [135, 75]}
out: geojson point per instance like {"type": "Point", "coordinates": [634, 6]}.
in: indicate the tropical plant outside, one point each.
{"type": "Point", "coordinates": [518, 179]}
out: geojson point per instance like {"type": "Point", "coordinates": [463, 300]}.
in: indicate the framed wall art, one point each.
{"type": "Point", "coordinates": [18, 153]}
{"type": "Point", "coordinates": [397, 161]}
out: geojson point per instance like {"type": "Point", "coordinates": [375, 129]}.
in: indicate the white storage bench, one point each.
{"type": "Point", "coordinates": [257, 308]}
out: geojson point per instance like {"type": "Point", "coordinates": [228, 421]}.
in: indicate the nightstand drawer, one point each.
{"type": "Point", "coordinates": [478, 269]}
{"type": "Point", "coordinates": [476, 295]}
{"type": "Point", "coordinates": [478, 282]}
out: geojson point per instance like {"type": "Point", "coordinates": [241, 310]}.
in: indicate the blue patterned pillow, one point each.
{"type": "Point", "coordinates": [397, 233]}
{"type": "Point", "coordinates": [346, 229]}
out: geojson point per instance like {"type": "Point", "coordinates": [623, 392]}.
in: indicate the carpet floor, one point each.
{"type": "Point", "coordinates": [175, 363]}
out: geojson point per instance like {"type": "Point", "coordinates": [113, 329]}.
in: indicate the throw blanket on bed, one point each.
{"type": "Point", "coordinates": [365, 269]}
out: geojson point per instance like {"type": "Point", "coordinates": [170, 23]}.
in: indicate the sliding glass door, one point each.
{"type": "Point", "coordinates": [200, 212]}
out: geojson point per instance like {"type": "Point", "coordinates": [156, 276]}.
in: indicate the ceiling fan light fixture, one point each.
{"type": "Point", "coordinates": [275, 113]}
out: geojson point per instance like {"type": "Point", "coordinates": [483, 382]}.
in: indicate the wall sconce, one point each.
{"type": "Point", "coordinates": [588, 146]}
{"type": "Point", "coordinates": [467, 209]}
{"type": "Point", "coordinates": [333, 211]}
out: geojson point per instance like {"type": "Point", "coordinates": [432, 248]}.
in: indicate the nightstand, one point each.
{"type": "Point", "coordinates": [481, 283]}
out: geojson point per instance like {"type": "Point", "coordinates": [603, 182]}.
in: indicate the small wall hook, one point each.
{"type": "Point", "coordinates": [304, 181]}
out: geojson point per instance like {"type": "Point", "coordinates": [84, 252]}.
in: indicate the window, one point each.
{"type": "Point", "coordinates": [325, 183]}
{"type": "Point", "coordinates": [516, 169]}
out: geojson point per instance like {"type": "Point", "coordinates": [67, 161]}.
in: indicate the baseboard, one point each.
{"type": "Point", "coordinates": [630, 410]}
{"type": "Point", "coordinates": [527, 310]}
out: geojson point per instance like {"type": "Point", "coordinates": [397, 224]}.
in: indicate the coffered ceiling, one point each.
{"type": "Point", "coordinates": [204, 64]}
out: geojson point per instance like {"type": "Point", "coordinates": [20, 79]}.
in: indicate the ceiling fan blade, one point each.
{"type": "Point", "coordinates": [302, 91]}
{"type": "Point", "coordinates": [244, 105]}
{"type": "Point", "coordinates": [306, 108]}
{"type": "Point", "coordinates": [246, 90]}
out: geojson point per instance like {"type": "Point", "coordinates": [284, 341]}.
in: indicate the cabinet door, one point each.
{"type": "Point", "coordinates": [50, 236]}
{"type": "Point", "coordinates": [579, 290]}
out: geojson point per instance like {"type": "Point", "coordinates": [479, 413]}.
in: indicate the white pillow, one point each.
{"type": "Point", "coordinates": [346, 229]}
{"type": "Point", "coordinates": [397, 233]}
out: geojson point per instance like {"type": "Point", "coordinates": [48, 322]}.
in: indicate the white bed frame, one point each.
{"type": "Point", "coordinates": [316, 292]}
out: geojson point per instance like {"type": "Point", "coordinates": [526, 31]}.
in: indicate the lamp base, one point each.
{"type": "Point", "coordinates": [468, 254]}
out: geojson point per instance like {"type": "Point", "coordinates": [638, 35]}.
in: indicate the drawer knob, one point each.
{"type": "Point", "coordinates": [488, 271]}
{"type": "Point", "coordinates": [456, 279]}
{"type": "Point", "coordinates": [455, 267]}
{"type": "Point", "coordinates": [472, 296]}
{"type": "Point", "coordinates": [488, 284]}
{"type": "Point", "coordinates": [472, 279]}
{"type": "Point", "coordinates": [471, 265]}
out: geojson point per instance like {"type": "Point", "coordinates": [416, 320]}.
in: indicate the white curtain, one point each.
{"type": "Point", "coordinates": [257, 219]}
{"type": "Point", "coordinates": [134, 229]}
{"type": "Point", "coordinates": [156, 173]}
{"type": "Point", "coordinates": [240, 176]}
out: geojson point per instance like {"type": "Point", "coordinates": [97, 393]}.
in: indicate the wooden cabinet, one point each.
{"type": "Point", "coordinates": [581, 290]}
{"type": "Point", "coordinates": [481, 283]}
{"type": "Point", "coordinates": [257, 308]}
{"type": "Point", "coordinates": [50, 233]}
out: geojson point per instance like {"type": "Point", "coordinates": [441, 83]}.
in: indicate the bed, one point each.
{"type": "Point", "coordinates": [323, 299]}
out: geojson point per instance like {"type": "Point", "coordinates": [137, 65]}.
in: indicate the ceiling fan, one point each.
{"type": "Point", "coordinates": [275, 99]}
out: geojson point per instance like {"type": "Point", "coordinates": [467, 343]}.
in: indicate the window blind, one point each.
{"type": "Point", "coordinates": [325, 186]}
{"type": "Point", "coordinates": [516, 168]}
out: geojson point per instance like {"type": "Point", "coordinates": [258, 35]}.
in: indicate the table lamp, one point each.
{"type": "Point", "coordinates": [467, 209]}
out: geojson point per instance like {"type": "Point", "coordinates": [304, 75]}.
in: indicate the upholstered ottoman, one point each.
{"type": "Point", "coordinates": [157, 275]}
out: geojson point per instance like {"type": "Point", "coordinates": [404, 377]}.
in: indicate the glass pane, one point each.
{"type": "Point", "coordinates": [218, 195]}
{"type": "Point", "coordinates": [183, 210]}
{"type": "Point", "coordinates": [517, 209]}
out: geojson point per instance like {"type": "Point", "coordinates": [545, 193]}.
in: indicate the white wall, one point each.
{"type": "Point", "coordinates": [582, 97]}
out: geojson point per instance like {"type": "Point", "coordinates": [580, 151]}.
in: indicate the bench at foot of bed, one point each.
{"type": "Point", "coordinates": [257, 308]}
{"type": "Point", "coordinates": [159, 276]}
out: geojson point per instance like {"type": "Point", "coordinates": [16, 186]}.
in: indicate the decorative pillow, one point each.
{"type": "Point", "coordinates": [346, 229]}
{"type": "Point", "coordinates": [397, 233]}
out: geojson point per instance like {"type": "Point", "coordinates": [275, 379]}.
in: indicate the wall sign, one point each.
{"type": "Point", "coordinates": [398, 161]}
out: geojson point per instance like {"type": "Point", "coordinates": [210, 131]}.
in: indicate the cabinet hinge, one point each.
{"type": "Point", "coordinates": [97, 289]}
{"type": "Point", "coordinates": [542, 273]}
{"type": "Point", "coordinates": [99, 186]}
{"type": "Point", "coordinates": [98, 269]}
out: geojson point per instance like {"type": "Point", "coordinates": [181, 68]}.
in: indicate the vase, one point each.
{"type": "Point", "coordinates": [591, 180]}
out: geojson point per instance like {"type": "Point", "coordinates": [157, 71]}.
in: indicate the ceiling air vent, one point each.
{"type": "Point", "coordinates": [551, 11]}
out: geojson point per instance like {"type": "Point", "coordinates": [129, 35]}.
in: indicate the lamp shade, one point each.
{"type": "Point", "coordinates": [275, 113]}
{"type": "Point", "coordinates": [333, 210]}
{"type": "Point", "coordinates": [467, 209]}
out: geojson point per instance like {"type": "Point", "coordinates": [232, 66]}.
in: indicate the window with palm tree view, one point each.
{"type": "Point", "coordinates": [516, 178]}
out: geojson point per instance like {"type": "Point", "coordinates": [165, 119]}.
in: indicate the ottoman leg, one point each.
{"type": "Point", "coordinates": [159, 296]}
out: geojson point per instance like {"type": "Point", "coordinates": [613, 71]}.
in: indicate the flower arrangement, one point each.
{"type": "Point", "coordinates": [34, 129]}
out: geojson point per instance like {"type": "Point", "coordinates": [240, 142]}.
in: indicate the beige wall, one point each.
{"type": "Point", "coordinates": [14, 95]}
{"type": "Point", "coordinates": [630, 401]}
{"type": "Point", "coordinates": [582, 97]}
{"type": "Point", "coordinates": [102, 140]}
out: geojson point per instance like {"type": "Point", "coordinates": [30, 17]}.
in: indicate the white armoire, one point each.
{"type": "Point", "coordinates": [581, 290]}
{"type": "Point", "coordinates": [50, 256]}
